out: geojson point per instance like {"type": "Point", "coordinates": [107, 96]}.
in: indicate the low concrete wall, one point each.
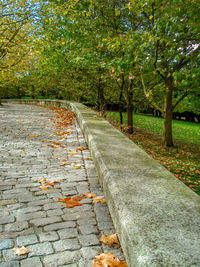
{"type": "Point", "coordinates": [156, 216]}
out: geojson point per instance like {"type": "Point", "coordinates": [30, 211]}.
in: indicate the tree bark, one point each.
{"type": "Point", "coordinates": [101, 100]}
{"type": "Point", "coordinates": [130, 108]}
{"type": "Point", "coordinates": [168, 112]}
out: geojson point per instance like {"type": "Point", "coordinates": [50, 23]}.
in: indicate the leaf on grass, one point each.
{"type": "Point", "coordinates": [44, 187]}
{"type": "Point", "coordinates": [21, 251]}
{"type": "Point", "coordinates": [108, 259]}
{"type": "Point", "coordinates": [90, 195]}
{"type": "Point", "coordinates": [98, 199]}
{"type": "Point", "coordinates": [81, 148]}
{"type": "Point", "coordinates": [109, 239]}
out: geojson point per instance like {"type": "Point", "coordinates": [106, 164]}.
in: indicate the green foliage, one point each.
{"type": "Point", "coordinates": [184, 132]}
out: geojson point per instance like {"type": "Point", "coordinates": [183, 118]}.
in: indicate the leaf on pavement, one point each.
{"type": "Point", "coordinates": [108, 260]}
{"type": "Point", "coordinates": [55, 156]}
{"type": "Point", "coordinates": [81, 148]}
{"type": "Point", "coordinates": [52, 183]}
{"type": "Point", "coordinates": [34, 135]}
{"type": "Point", "coordinates": [90, 195]}
{"type": "Point", "coordinates": [72, 152]}
{"type": "Point", "coordinates": [44, 187]}
{"type": "Point", "coordinates": [21, 251]}
{"type": "Point", "coordinates": [98, 199]}
{"type": "Point", "coordinates": [43, 181]}
{"type": "Point", "coordinates": [109, 239]}
{"type": "Point", "coordinates": [71, 202]}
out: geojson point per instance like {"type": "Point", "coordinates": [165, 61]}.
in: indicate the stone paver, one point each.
{"type": "Point", "coordinates": [54, 234]}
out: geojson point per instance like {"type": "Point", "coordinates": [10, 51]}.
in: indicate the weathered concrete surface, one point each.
{"type": "Point", "coordinates": [156, 215]}
{"type": "Point", "coordinates": [55, 235]}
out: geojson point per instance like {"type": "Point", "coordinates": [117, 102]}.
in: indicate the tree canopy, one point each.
{"type": "Point", "coordinates": [126, 53]}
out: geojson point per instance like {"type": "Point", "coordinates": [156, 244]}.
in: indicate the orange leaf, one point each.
{"type": "Point", "coordinates": [98, 199]}
{"type": "Point", "coordinates": [77, 198]}
{"type": "Point", "coordinates": [33, 135]}
{"type": "Point", "coordinates": [109, 239]}
{"type": "Point", "coordinates": [44, 187]}
{"type": "Point", "coordinates": [21, 251]}
{"type": "Point", "coordinates": [108, 260]}
{"type": "Point", "coordinates": [64, 200]}
{"type": "Point", "coordinates": [43, 181]}
{"type": "Point", "coordinates": [90, 195]}
{"type": "Point", "coordinates": [81, 148]}
{"type": "Point", "coordinates": [71, 203]}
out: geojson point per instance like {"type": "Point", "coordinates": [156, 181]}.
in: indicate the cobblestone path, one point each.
{"type": "Point", "coordinates": [30, 217]}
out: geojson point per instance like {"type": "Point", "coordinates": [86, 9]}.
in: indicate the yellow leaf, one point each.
{"type": "Point", "coordinates": [21, 251]}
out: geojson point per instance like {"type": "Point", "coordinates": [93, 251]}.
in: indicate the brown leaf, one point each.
{"type": "Point", "coordinates": [64, 200]}
{"type": "Point", "coordinates": [21, 251]}
{"type": "Point", "coordinates": [98, 199]}
{"type": "Point", "coordinates": [108, 260]}
{"type": "Point", "coordinates": [43, 181]}
{"type": "Point", "coordinates": [77, 198]}
{"type": "Point", "coordinates": [72, 152]}
{"type": "Point", "coordinates": [109, 239]}
{"type": "Point", "coordinates": [52, 183]}
{"type": "Point", "coordinates": [44, 187]}
{"type": "Point", "coordinates": [33, 135]}
{"type": "Point", "coordinates": [55, 156]}
{"type": "Point", "coordinates": [71, 203]}
{"type": "Point", "coordinates": [90, 195]}
{"type": "Point", "coordinates": [81, 148]}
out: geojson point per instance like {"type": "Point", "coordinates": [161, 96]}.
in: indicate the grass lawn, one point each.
{"type": "Point", "coordinates": [182, 160]}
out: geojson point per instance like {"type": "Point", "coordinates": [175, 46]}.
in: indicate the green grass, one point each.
{"type": "Point", "coordinates": [186, 132]}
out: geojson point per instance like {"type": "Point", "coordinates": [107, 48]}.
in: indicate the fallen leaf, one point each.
{"type": "Point", "coordinates": [46, 141]}
{"type": "Point", "coordinates": [72, 152]}
{"type": "Point", "coordinates": [4, 128]}
{"type": "Point", "coordinates": [43, 181]}
{"type": "Point", "coordinates": [77, 198]}
{"type": "Point", "coordinates": [44, 187]}
{"type": "Point", "coordinates": [71, 202]}
{"type": "Point", "coordinates": [109, 239]}
{"type": "Point", "coordinates": [90, 195]}
{"type": "Point", "coordinates": [21, 251]}
{"type": "Point", "coordinates": [55, 156]}
{"type": "Point", "coordinates": [108, 260]}
{"type": "Point", "coordinates": [81, 148]}
{"type": "Point", "coordinates": [33, 135]}
{"type": "Point", "coordinates": [98, 199]}
{"type": "Point", "coordinates": [64, 200]}
{"type": "Point", "coordinates": [52, 183]}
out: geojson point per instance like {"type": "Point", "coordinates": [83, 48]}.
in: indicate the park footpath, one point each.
{"type": "Point", "coordinates": [42, 160]}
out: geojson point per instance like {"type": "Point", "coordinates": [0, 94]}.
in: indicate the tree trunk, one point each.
{"type": "Point", "coordinates": [101, 100]}
{"type": "Point", "coordinates": [130, 108]}
{"type": "Point", "coordinates": [120, 103]}
{"type": "Point", "coordinates": [168, 112]}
